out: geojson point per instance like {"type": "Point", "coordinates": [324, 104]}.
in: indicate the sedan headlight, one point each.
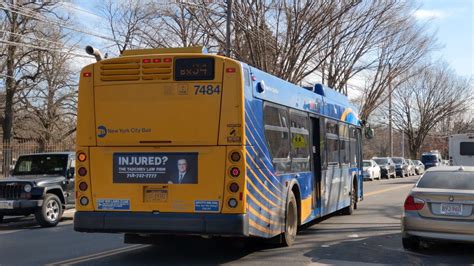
{"type": "Point", "coordinates": [27, 188]}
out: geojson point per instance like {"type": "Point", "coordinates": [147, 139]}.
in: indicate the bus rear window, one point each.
{"type": "Point", "coordinates": [194, 69]}
{"type": "Point", "coordinates": [466, 148]}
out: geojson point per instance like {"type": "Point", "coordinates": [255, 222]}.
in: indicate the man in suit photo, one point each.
{"type": "Point", "coordinates": [183, 176]}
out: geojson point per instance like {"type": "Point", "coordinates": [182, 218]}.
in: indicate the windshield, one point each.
{"type": "Point", "coordinates": [397, 160]}
{"type": "Point", "coordinates": [41, 165]}
{"type": "Point", "coordinates": [429, 158]}
{"type": "Point", "coordinates": [367, 164]}
{"type": "Point", "coordinates": [381, 161]}
{"type": "Point", "coordinates": [447, 180]}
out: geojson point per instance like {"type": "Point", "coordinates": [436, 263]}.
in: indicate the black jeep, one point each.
{"type": "Point", "coordinates": [41, 184]}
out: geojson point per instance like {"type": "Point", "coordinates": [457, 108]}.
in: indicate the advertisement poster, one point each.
{"type": "Point", "coordinates": [155, 168]}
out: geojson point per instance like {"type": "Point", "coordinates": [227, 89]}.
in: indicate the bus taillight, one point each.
{"type": "Point", "coordinates": [234, 172]}
{"type": "Point", "coordinates": [81, 157]}
{"type": "Point", "coordinates": [234, 187]}
{"type": "Point", "coordinates": [82, 171]}
{"type": "Point", "coordinates": [232, 203]}
{"type": "Point", "coordinates": [235, 156]}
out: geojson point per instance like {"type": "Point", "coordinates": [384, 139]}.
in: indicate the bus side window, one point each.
{"type": "Point", "coordinates": [322, 141]}
{"type": "Point", "coordinates": [344, 144]}
{"type": "Point", "coordinates": [332, 142]}
{"type": "Point", "coordinates": [299, 142]}
{"type": "Point", "coordinates": [278, 137]}
{"type": "Point", "coordinates": [353, 146]}
{"type": "Point", "coordinates": [246, 77]}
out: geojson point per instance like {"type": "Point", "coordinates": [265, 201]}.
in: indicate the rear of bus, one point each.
{"type": "Point", "coordinates": [159, 145]}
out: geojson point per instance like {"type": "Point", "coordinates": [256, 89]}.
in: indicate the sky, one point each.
{"type": "Point", "coordinates": [452, 22]}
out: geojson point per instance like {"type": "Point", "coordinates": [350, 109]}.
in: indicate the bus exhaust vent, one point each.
{"type": "Point", "coordinates": [135, 69]}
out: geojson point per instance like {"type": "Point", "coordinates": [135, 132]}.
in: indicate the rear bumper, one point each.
{"type": "Point", "coordinates": [162, 223]}
{"type": "Point", "coordinates": [454, 230]}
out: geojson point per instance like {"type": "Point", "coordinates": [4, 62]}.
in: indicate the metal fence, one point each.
{"type": "Point", "coordinates": [12, 150]}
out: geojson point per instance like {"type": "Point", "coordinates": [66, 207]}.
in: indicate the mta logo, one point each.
{"type": "Point", "coordinates": [102, 131]}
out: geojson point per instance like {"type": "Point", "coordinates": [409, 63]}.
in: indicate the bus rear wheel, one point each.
{"type": "Point", "coordinates": [291, 221]}
{"type": "Point", "coordinates": [353, 205]}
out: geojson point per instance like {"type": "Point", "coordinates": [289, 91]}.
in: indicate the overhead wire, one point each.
{"type": "Point", "coordinates": [62, 25]}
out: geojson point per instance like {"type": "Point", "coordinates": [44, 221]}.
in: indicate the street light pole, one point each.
{"type": "Point", "coordinates": [229, 20]}
{"type": "Point", "coordinates": [390, 138]}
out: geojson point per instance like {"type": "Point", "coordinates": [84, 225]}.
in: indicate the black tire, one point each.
{"type": "Point", "coordinates": [353, 205]}
{"type": "Point", "coordinates": [411, 243]}
{"type": "Point", "coordinates": [291, 221]}
{"type": "Point", "coordinates": [1, 218]}
{"type": "Point", "coordinates": [51, 212]}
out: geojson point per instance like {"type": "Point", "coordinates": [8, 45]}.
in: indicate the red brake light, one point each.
{"type": "Point", "coordinates": [413, 204]}
{"type": "Point", "coordinates": [230, 70]}
{"type": "Point", "coordinates": [157, 60]}
{"type": "Point", "coordinates": [167, 60]}
{"type": "Point", "coordinates": [234, 172]}
{"type": "Point", "coordinates": [146, 60]}
{"type": "Point", "coordinates": [87, 74]}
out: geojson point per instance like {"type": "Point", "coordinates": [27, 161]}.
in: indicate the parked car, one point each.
{"type": "Point", "coordinates": [411, 167]}
{"type": "Point", "coordinates": [40, 184]}
{"type": "Point", "coordinates": [401, 166]}
{"type": "Point", "coordinates": [387, 167]}
{"type": "Point", "coordinates": [419, 167]}
{"type": "Point", "coordinates": [371, 170]}
{"type": "Point", "coordinates": [430, 159]}
{"type": "Point", "coordinates": [440, 207]}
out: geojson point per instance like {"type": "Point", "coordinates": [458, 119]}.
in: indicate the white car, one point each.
{"type": "Point", "coordinates": [371, 170]}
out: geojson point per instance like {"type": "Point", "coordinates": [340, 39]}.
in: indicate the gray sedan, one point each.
{"type": "Point", "coordinates": [440, 207]}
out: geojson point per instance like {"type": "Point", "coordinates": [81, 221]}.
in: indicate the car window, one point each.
{"type": "Point", "coordinates": [397, 160]}
{"type": "Point", "coordinates": [381, 161]}
{"type": "Point", "coordinates": [447, 180]}
{"type": "Point", "coordinates": [367, 164]}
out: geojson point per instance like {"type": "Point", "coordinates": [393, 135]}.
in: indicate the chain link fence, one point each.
{"type": "Point", "coordinates": [12, 150]}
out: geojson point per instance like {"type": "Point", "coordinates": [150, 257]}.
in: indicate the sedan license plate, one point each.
{"type": "Point", "coordinates": [155, 194]}
{"type": "Point", "coordinates": [451, 209]}
{"type": "Point", "coordinates": [6, 204]}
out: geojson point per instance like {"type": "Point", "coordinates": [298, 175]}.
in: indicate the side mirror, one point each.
{"type": "Point", "coordinates": [71, 172]}
{"type": "Point", "coordinates": [369, 132]}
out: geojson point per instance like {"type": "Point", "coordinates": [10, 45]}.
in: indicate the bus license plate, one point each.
{"type": "Point", "coordinates": [155, 194]}
{"type": "Point", "coordinates": [6, 204]}
{"type": "Point", "coordinates": [451, 209]}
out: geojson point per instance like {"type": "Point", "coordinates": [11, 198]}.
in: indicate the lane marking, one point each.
{"type": "Point", "coordinates": [387, 189]}
{"type": "Point", "coordinates": [97, 255]}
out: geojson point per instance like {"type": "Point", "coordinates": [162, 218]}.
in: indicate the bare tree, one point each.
{"type": "Point", "coordinates": [427, 98]}
{"type": "Point", "coordinates": [48, 109]}
{"type": "Point", "coordinates": [126, 21]}
{"type": "Point", "coordinates": [404, 45]}
{"type": "Point", "coordinates": [19, 70]}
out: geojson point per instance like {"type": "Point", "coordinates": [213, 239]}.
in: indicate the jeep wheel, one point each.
{"type": "Point", "coordinates": [1, 218]}
{"type": "Point", "coordinates": [291, 221]}
{"type": "Point", "coordinates": [50, 213]}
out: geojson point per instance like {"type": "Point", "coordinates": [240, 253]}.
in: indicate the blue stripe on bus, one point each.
{"type": "Point", "coordinates": [250, 156]}
{"type": "Point", "coordinates": [264, 190]}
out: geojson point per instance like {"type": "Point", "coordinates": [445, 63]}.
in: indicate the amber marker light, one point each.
{"type": "Point", "coordinates": [81, 157]}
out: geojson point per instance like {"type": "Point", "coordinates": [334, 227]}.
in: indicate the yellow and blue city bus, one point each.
{"type": "Point", "coordinates": [181, 142]}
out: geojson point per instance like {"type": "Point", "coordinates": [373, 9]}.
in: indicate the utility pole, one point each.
{"type": "Point", "coordinates": [390, 138]}
{"type": "Point", "coordinates": [403, 144]}
{"type": "Point", "coordinates": [229, 21]}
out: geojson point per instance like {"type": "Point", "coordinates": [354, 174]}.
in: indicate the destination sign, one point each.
{"type": "Point", "coordinates": [194, 69]}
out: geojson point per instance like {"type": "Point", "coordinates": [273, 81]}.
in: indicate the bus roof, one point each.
{"type": "Point", "coordinates": [333, 104]}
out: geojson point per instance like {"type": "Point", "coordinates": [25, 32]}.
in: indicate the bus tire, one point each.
{"type": "Point", "coordinates": [291, 221]}
{"type": "Point", "coordinates": [1, 218]}
{"type": "Point", "coordinates": [353, 205]}
{"type": "Point", "coordinates": [51, 212]}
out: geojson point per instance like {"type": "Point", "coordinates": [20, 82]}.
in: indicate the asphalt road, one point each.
{"type": "Point", "coordinates": [370, 235]}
